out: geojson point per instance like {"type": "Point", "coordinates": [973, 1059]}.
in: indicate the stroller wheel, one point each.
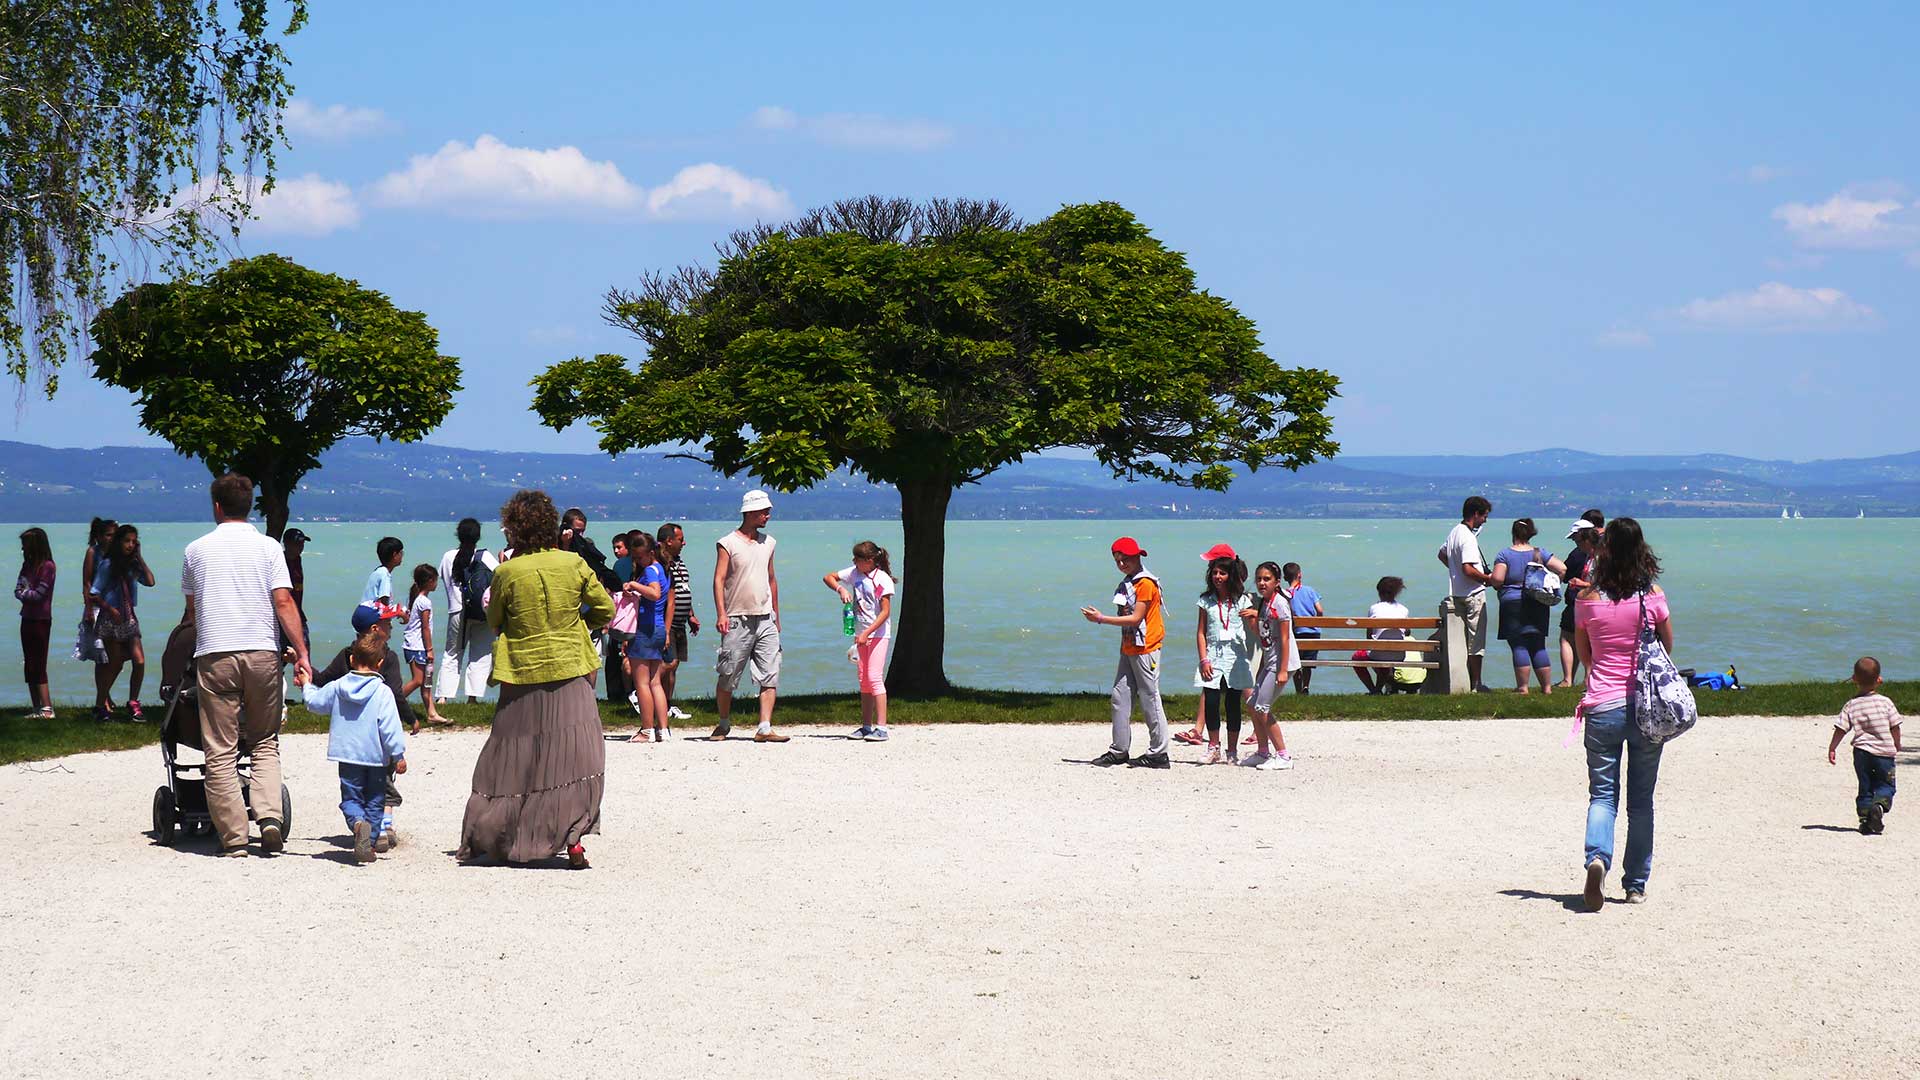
{"type": "Point", "coordinates": [286, 811]}
{"type": "Point", "coordinates": [164, 816]}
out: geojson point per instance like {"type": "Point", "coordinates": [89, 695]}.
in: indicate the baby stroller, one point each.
{"type": "Point", "coordinates": [182, 801]}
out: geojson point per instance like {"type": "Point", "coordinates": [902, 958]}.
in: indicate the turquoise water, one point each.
{"type": "Point", "coordinates": [1781, 600]}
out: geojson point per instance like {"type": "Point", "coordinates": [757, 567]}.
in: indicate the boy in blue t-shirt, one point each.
{"type": "Point", "coordinates": [1306, 604]}
{"type": "Point", "coordinates": [380, 583]}
{"type": "Point", "coordinates": [363, 737]}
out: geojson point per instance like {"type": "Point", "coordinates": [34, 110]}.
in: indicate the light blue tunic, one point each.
{"type": "Point", "coordinates": [1227, 644]}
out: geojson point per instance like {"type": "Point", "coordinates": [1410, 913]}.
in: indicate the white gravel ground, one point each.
{"type": "Point", "coordinates": [963, 902]}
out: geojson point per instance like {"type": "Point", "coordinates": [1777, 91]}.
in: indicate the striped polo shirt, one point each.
{"type": "Point", "coordinates": [1871, 718]}
{"type": "Point", "coordinates": [230, 574]}
{"type": "Point", "coordinates": [682, 593]}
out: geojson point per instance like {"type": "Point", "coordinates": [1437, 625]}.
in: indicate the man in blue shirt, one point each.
{"type": "Point", "coordinates": [1306, 604]}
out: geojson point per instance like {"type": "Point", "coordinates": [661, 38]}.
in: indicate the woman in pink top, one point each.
{"type": "Point", "coordinates": [1607, 636]}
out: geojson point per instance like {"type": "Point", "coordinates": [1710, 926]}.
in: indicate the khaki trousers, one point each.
{"type": "Point", "coordinates": [240, 705]}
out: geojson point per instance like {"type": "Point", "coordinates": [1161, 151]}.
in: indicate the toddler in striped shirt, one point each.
{"type": "Point", "coordinates": [1875, 724]}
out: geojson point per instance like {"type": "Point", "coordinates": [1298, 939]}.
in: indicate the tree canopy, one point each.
{"type": "Point", "coordinates": [266, 364]}
{"type": "Point", "coordinates": [109, 110]}
{"type": "Point", "coordinates": [925, 347]}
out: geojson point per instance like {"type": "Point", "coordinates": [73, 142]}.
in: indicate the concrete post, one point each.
{"type": "Point", "coordinates": [1453, 651]}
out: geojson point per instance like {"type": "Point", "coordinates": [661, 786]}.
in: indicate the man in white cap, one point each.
{"type": "Point", "coordinates": [746, 603]}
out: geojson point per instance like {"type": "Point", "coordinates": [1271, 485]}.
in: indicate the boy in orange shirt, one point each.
{"type": "Point", "coordinates": [1142, 629]}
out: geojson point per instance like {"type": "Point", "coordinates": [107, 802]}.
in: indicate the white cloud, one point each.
{"type": "Point", "coordinates": [308, 205]}
{"type": "Point", "coordinates": [491, 179]}
{"type": "Point", "coordinates": [1624, 339]}
{"type": "Point", "coordinates": [303, 117]}
{"type": "Point", "coordinates": [864, 131]}
{"type": "Point", "coordinates": [710, 191]}
{"type": "Point", "coordinates": [1854, 219]}
{"type": "Point", "coordinates": [1779, 307]}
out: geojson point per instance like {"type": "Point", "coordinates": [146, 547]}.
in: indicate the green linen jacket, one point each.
{"type": "Point", "coordinates": [535, 610]}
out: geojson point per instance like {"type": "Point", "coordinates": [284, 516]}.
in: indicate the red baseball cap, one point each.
{"type": "Point", "coordinates": [1220, 551]}
{"type": "Point", "coordinates": [1127, 546]}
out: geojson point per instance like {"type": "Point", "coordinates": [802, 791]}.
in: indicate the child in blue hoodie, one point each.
{"type": "Point", "coordinates": [364, 738]}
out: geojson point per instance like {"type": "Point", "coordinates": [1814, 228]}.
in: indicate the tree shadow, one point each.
{"type": "Point", "coordinates": [1829, 828]}
{"type": "Point", "coordinates": [1570, 901]}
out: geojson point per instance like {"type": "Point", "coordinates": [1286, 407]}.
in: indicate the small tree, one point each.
{"type": "Point", "coordinates": [106, 109]}
{"type": "Point", "coordinates": [927, 346]}
{"type": "Point", "coordinates": [267, 364]}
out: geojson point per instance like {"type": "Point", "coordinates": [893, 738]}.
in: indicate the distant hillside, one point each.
{"type": "Point", "coordinates": [362, 480]}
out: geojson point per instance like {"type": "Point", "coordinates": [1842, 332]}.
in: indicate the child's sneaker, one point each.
{"type": "Point", "coordinates": [384, 844]}
{"type": "Point", "coordinates": [1213, 755]}
{"type": "Point", "coordinates": [134, 710]}
{"type": "Point", "coordinates": [861, 732]}
{"type": "Point", "coordinates": [1276, 763]}
{"type": "Point", "coordinates": [362, 842]}
{"type": "Point", "coordinates": [1876, 821]}
{"type": "Point", "coordinates": [878, 734]}
{"type": "Point", "coordinates": [1255, 759]}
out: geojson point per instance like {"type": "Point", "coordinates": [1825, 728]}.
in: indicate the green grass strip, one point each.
{"type": "Point", "coordinates": [73, 731]}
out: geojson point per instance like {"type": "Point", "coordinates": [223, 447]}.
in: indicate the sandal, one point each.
{"type": "Point", "coordinates": [1187, 737]}
{"type": "Point", "coordinates": [104, 714]}
{"type": "Point", "coordinates": [643, 735]}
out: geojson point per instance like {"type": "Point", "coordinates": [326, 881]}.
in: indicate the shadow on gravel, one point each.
{"type": "Point", "coordinates": [1830, 828]}
{"type": "Point", "coordinates": [1570, 901]}
{"type": "Point", "coordinates": [557, 862]}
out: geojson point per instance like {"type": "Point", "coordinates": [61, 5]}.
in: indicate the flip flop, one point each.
{"type": "Point", "coordinates": [1187, 737]}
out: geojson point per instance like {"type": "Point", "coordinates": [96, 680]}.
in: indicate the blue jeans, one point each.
{"type": "Point", "coordinates": [1612, 735]}
{"type": "Point", "coordinates": [363, 794]}
{"type": "Point", "coordinates": [1875, 774]}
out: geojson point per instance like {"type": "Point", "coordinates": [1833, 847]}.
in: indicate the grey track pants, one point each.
{"type": "Point", "coordinates": [1138, 678]}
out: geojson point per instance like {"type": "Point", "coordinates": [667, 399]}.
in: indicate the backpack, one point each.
{"type": "Point", "coordinates": [1663, 705]}
{"type": "Point", "coordinates": [474, 583]}
{"type": "Point", "coordinates": [1541, 585]}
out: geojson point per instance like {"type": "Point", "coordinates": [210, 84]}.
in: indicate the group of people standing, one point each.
{"type": "Point", "coordinates": [112, 573]}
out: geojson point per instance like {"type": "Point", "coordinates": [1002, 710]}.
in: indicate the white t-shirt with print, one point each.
{"type": "Point", "coordinates": [418, 616]}
{"type": "Point", "coordinates": [1387, 609]}
{"type": "Point", "coordinates": [867, 591]}
{"type": "Point", "coordinates": [1463, 549]}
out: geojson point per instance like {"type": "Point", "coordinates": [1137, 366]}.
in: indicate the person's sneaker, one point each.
{"type": "Point", "coordinates": [674, 712]}
{"type": "Point", "coordinates": [861, 732]}
{"type": "Point", "coordinates": [1151, 761]}
{"type": "Point", "coordinates": [234, 852]}
{"type": "Point", "coordinates": [133, 709]}
{"type": "Point", "coordinates": [1876, 819]}
{"type": "Point", "coordinates": [1596, 874]}
{"type": "Point", "coordinates": [1233, 757]}
{"type": "Point", "coordinates": [878, 734]}
{"type": "Point", "coordinates": [1865, 829]}
{"type": "Point", "coordinates": [770, 736]}
{"type": "Point", "coordinates": [1635, 896]}
{"type": "Point", "coordinates": [272, 837]}
{"type": "Point", "coordinates": [362, 842]}
{"type": "Point", "coordinates": [103, 714]}
{"type": "Point", "coordinates": [1213, 755]}
{"type": "Point", "coordinates": [633, 699]}
{"type": "Point", "coordinates": [1111, 757]}
{"type": "Point", "coordinates": [384, 844]}
{"type": "Point", "coordinates": [1275, 763]}
{"type": "Point", "coordinates": [1255, 759]}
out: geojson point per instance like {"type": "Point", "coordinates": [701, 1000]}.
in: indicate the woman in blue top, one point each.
{"type": "Point", "coordinates": [649, 649]}
{"type": "Point", "coordinates": [115, 592]}
{"type": "Point", "coordinates": [1524, 622]}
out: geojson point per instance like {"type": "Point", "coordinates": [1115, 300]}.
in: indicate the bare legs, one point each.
{"type": "Point", "coordinates": [652, 697]}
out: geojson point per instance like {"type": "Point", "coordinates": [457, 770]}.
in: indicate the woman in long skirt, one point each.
{"type": "Point", "coordinates": [538, 782]}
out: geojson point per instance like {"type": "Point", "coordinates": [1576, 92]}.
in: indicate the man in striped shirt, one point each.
{"type": "Point", "coordinates": [673, 540]}
{"type": "Point", "coordinates": [237, 588]}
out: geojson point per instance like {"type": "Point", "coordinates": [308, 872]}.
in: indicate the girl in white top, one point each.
{"type": "Point", "coordinates": [1278, 660]}
{"type": "Point", "coordinates": [868, 586]}
{"type": "Point", "coordinates": [1380, 680]}
{"type": "Point", "coordinates": [417, 643]}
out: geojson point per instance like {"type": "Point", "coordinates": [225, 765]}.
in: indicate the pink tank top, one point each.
{"type": "Point", "coordinates": [1613, 630]}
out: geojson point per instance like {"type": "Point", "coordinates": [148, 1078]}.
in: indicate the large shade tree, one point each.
{"type": "Point", "coordinates": [132, 133]}
{"type": "Point", "coordinates": [925, 346]}
{"type": "Point", "coordinates": [263, 366]}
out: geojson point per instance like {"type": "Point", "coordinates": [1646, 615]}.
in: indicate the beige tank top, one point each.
{"type": "Point", "coordinates": [748, 589]}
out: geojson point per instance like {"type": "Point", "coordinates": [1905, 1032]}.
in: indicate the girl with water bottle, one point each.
{"type": "Point", "coordinates": [866, 589]}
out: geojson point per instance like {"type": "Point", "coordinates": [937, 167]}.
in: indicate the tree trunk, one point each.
{"type": "Point", "coordinates": [919, 648]}
{"type": "Point", "coordinates": [273, 505]}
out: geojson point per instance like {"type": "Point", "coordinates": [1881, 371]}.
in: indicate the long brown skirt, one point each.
{"type": "Point", "coordinates": [537, 785]}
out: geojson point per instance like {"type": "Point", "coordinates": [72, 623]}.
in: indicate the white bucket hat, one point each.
{"type": "Point", "coordinates": [755, 500]}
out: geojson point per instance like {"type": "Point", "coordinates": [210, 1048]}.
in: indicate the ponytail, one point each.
{"type": "Point", "coordinates": [423, 577]}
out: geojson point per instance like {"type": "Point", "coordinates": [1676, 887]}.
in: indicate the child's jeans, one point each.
{"type": "Point", "coordinates": [363, 794]}
{"type": "Point", "coordinates": [1611, 736]}
{"type": "Point", "coordinates": [1876, 781]}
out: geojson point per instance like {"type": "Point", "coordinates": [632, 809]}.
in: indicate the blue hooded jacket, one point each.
{"type": "Point", "coordinates": [366, 722]}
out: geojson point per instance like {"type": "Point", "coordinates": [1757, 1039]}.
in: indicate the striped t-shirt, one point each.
{"type": "Point", "coordinates": [230, 575]}
{"type": "Point", "coordinates": [1871, 718]}
{"type": "Point", "coordinates": [682, 593]}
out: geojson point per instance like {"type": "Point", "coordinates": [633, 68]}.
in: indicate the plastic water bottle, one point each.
{"type": "Point", "coordinates": [846, 619]}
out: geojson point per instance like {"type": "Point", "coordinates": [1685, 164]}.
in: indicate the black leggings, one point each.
{"type": "Point", "coordinates": [1212, 698]}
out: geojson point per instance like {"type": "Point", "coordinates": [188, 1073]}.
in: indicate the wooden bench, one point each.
{"type": "Point", "coordinates": [1347, 646]}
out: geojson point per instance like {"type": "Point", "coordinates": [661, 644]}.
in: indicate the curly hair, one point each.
{"type": "Point", "coordinates": [530, 521]}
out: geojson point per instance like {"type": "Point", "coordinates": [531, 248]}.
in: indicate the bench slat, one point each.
{"type": "Point", "coordinates": [1430, 665]}
{"type": "Point", "coordinates": [1334, 622]}
{"type": "Point", "coordinates": [1336, 644]}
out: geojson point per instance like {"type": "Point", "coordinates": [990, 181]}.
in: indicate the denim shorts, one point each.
{"type": "Point", "coordinates": [417, 656]}
{"type": "Point", "coordinates": [648, 644]}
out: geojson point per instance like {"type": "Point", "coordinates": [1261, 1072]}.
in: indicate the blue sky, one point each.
{"type": "Point", "coordinates": [1504, 228]}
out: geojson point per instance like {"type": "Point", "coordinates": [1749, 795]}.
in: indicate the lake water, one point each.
{"type": "Point", "coordinates": [1781, 600]}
